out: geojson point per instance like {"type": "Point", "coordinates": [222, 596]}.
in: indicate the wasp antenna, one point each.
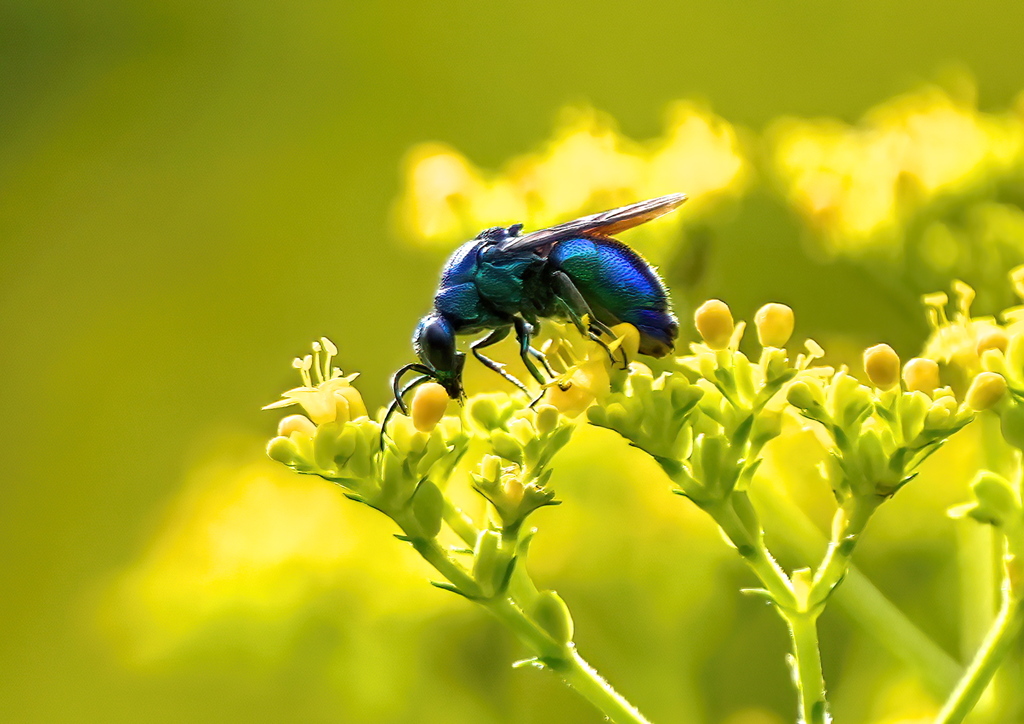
{"type": "Point", "coordinates": [396, 382]}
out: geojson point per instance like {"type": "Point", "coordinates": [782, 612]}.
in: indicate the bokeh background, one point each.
{"type": "Point", "coordinates": [190, 192]}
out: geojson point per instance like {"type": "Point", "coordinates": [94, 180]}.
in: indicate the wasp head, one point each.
{"type": "Point", "coordinates": [434, 343]}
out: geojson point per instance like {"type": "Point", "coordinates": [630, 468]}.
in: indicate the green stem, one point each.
{"type": "Point", "coordinates": [863, 602]}
{"type": "Point", "coordinates": [460, 523]}
{"type": "Point", "coordinates": [986, 662]}
{"type": "Point", "coordinates": [793, 608]}
{"type": "Point", "coordinates": [751, 548]}
{"type": "Point", "coordinates": [807, 674]}
{"type": "Point", "coordinates": [850, 521]}
{"type": "Point", "coordinates": [567, 663]}
{"type": "Point", "coordinates": [560, 658]}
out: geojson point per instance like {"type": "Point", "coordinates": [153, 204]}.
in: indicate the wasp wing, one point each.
{"type": "Point", "coordinates": [607, 223]}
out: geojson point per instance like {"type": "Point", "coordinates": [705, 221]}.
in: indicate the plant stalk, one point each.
{"type": "Point", "coordinates": [986, 662]}
{"type": "Point", "coordinates": [806, 663]}
{"type": "Point", "coordinates": [565, 661]}
{"type": "Point", "coordinates": [562, 658]}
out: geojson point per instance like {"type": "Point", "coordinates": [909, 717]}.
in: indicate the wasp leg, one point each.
{"type": "Point", "coordinates": [578, 308]}
{"type": "Point", "coordinates": [543, 359]}
{"type": "Point", "coordinates": [493, 338]}
{"type": "Point", "coordinates": [524, 332]}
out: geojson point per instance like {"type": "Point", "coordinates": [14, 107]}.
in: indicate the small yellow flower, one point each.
{"type": "Point", "coordinates": [332, 398]}
{"type": "Point", "coordinates": [714, 322]}
{"type": "Point", "coordinates": [774, 324]}
{"type": "Point", "coordinates": [583, 382]}
{"type": "Point", "coordinates": [959, 342]}
{"type": "Point", "coordinates": [986, 389]}
{"type": "Point", "coordinates": [921, 375]}
{"type": "Point", "coordinates": [882, 366]}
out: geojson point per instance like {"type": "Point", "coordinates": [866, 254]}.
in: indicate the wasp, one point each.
{"type": "Point", "coordinates": [505, 281]}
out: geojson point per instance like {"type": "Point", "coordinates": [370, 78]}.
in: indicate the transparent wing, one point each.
{"type": "Point", "coordinates": [607, 223]}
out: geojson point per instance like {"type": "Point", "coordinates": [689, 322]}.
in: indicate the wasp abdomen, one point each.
{"type": "Point", "coordinates": [620, 286]}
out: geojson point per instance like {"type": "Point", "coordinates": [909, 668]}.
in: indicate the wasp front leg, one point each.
{"type": "Point", "coordinates": [494, 337]}
{"type": "Point", "coordinates": [578, 310]}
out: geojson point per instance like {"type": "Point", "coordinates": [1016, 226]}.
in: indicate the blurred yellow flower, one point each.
{"type": "Point", "coordinates": [856, 182]}
{"type": "Point", "coordinates": [586, 166]}
{"type": "Point", "coordinates": [246, 549]}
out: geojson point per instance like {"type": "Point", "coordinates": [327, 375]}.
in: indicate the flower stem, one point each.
{"type": "Point", "coordinates": [847, 526]}
{"type": "Point", "coordinates": [864, 603]}
{"type": "Point", "coordinates": [461, 524]}
{"type": "Point", "coordinates": [986, 662]}
{"type": "Point", "coordinates": [564, 660]}
{"type": "Point", "coordinates": [806, 662]}
{"type": "Point", "coordinates": [561, 658]}
{"type": "Point", "coordinates": [753, 551]}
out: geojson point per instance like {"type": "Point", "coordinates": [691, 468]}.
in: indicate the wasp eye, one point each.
{"type": "Point", "coordinates": [434, 343]}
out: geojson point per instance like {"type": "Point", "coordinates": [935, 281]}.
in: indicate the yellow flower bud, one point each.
{"type": "Point", "coordinates": [992, 338]}
{"type": "Point", "coordinates": [547, 419]}
{"type": "Point", "coordinates": [921, 375]}
{"type": "Point", "coordinates": [490, 468]}
{"type": "Point", "coordinates": [283, 450]}
{"type": "Point", "coordinates": [428, 406]}
{"type": "Point", "coordinates": [882, 366]}
{"type": "Point", "coordinates": [295, 423]}
{"type": "Point", "coordinates": [986, 389]}
{"type": "Point", "coordinates": [513, 488]}
{"type": "Point", "coordinates": [714, 322]}
{"type": "Point", "coordinates": [805, 395]}
{"type": "Point", "coordinates": [774, 324]}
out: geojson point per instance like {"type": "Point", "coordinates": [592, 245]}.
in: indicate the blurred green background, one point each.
{"type": "Point", "coordinates": [189, 193]}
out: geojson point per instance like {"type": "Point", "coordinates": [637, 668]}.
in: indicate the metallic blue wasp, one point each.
{"type": "Point", "coordinates": [504, 281]}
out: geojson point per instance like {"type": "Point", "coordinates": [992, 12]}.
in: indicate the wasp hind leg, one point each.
{"type": "Point", "coordinates": [494, 337]}
{"type": "Point", "coordinates": [578, 309]}
{"type": "Point", "coordinates": [524, 333]}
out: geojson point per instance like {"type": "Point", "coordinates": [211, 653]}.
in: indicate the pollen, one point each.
{"type": "Point", "coordinates": [428, 406]}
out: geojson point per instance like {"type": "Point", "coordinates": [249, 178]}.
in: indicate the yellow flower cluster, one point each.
{"type": "Point", "coordinates": [970, 348]}
{"type": "Point", "coordinates": [586, 166]}
{"type": "Point", "coordinates": [855, 183]}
